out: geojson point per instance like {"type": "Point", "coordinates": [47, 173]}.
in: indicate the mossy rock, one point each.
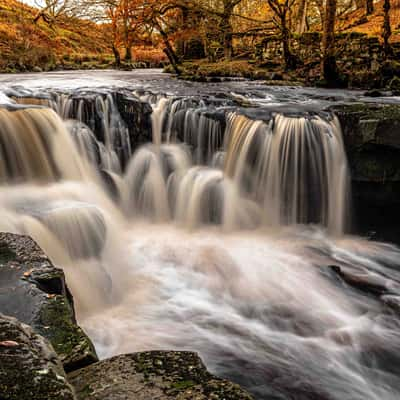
{"type": "Point", "coordinates": [29, 367]}
{"type": "Point", "coordinates": [56, 322]}
{"type": "Point", "coordinates": [310, 37]}
{"type": "Point", "coordinates": [34, 291]}
{"type": "Point", "coordinates": [394, 85]}
{"type": "Point", "coordinates": [165, 375]}
{"type": "Point", "coordinates": [389, 69]}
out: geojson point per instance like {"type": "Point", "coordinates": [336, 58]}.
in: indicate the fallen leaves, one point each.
{"type": "Point", "coordinates": [27, 274]}
{"type": "Point", "coordinates": [9, 343]}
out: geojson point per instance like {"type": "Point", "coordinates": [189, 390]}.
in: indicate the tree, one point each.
{"type": "Point", "coordinates": [387, 31]}
{"type": "Point", "coordinates": [369, 7]}
{"type": "Point", "coordinates": [226, 26]}
{"type": "Point", "coordinates": [329, 68]}
{"type": "Point", "coordinates": [281, 10]}
{"type": "Point", "coordinates": [50, 10]}
{"type": "Point", "coordinates": [301, 16]}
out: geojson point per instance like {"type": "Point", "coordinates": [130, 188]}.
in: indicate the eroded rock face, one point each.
{"type": "Point", "coordinates": [29, 367]}
{"type": "Point", "coordinates": [371, 133]}
{"type": "Point", "coordinates": [108, 113]}
{"type": "Point", "coordinates": [34, 291]}
{"type": "Point", "coordinates": [162, 375]}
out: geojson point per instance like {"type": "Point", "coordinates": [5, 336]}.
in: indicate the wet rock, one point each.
{"type": "Point", "coordinates": [29, 367]}
{"type": "Point", "coordinates": [163, 375]}
{"type": "Point", "coordinates": [34, 291]}
{"type": "Point", "coordinates": [392, 302]}
{"type": "Point", "coordinates": [103, 110]}
{"type": "Point", "coordinates": [389, 69]}
{"type": "Point", "coordinates": [394, 85]}
{"type": "Point", "coordinates": [371, 133]}
{"type": "Point", "coordinates": [352, 116]}
{"type": "Point", "coordinates": [137, 115]}
{"type": "Point", "coordinates": [366, 282]}
{"type": "Point", "coordinates": [373, 93]}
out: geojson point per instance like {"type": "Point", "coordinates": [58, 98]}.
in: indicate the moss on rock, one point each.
{"type": "Point", "coordinates": [29, 367]}
{"type": "Point", "coordinates": [55, 321]}
{"type": "Point", "coordinates": [164, 375]}
{"type": "Point", "coordinates": [35, 292]}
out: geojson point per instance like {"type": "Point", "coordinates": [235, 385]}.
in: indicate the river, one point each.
{"type": "Point", "coordinates": [227, 233]}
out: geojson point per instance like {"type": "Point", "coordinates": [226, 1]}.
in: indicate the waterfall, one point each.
{"type": "Point", "coordinates": [295, 167]}
{"type": "Point", "coordinates": [225, 236]}
{"type": "Point", "coordinates": [100, 113]}
{"type": "Point", "coordinates": [35, 146]}
{"type": "Point", "coordinates": [288, 170]}
{"type": "Point", "coordinates": [149, 176]}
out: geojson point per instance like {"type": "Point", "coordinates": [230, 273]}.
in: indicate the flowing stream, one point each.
{"type": "Point", "coordinates": [225, 234]}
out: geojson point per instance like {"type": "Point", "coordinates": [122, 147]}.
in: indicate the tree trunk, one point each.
{"type": "Point", "coordinates": [287, 54]}
{"type": "Point", "coordinates": [128, 53]}
{"type": "Point", "coordinates": [114, 43]}
{"type": "Point", "coordinates": [227, 34]}
{"type": "Point", "coordinates": [290, 59]}
{"type": "Point", "coordinates": [172, 60]}
{"type": "Point", "coordinates": [180, 43]}
{"type": "Point", "coordinates": [328, 67]}
{"type": "Point", "coordinates": [116, 56]}
{"type": "Point", "coordinates": [321, 11]}
{"type": "Point", "coordinates": [387, 31]}
{"type": "Point", "coordinates": [228, 46]}
{"type": "Point", "coordinates": [369, 7]}
{"type": "Point", "coordinates": [301, 17]}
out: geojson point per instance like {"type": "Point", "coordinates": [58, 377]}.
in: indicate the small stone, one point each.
{"type": "Point", "coordinates": [43, 372]}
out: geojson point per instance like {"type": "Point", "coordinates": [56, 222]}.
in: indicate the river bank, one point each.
{"type": "Point", "coordinates": [384, 78]}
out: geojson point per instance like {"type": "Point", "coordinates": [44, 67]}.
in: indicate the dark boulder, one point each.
{"type": "Point", "coordinates": [388, 70]}
{"type": "Point", "coordinates": [137, 116]}
{"type": "Point", "coordinates": [162, 375]}
{"type": "Point", "coordinates": [104, 110]}
{"type": "Point", "coordinates": [34, 291]}
{"type": "Point", "coordinates": [29, 367]}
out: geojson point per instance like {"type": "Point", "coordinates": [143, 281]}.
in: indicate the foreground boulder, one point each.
{"type": "Point", "coordinates": [34, 291]}
{"type": "Point", "coordinates": [162, 375]}
{"type": "Point", "coordinates": [29, 367]}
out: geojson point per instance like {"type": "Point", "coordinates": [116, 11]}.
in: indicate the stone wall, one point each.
{"type": "Point", "coordinates": [353, 50]}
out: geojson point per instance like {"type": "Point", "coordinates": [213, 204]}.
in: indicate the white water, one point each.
{"type": "Point", "coordinates": [188, 260]}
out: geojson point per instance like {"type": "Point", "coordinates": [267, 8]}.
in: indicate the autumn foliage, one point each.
{"type": "Point", "coordinates": [124, 32]}
{"type": "Point", "coordinates": [25, 44]}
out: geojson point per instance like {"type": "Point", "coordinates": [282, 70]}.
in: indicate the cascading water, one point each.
{"type": "Point", "coordinates": [222, 243]}
{"type": "Point", "coordinates": [295, 167]}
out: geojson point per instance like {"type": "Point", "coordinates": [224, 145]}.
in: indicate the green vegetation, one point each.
{"type": "Point", "coordinates": [56, 323]}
